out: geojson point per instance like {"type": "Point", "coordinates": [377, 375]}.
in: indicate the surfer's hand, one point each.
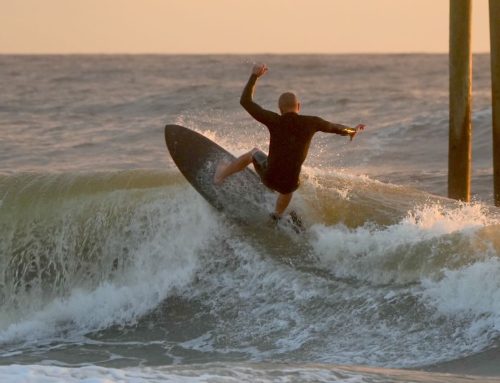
{"type": "Point", "coordinates": [355, 131]}
{"type": "Point", "coordinates": [259, 69]}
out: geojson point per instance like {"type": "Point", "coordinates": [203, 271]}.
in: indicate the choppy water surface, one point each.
{"type": "Point", "coordinates": [111, 265]}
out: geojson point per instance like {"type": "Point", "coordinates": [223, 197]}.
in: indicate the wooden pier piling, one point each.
{"type": "Point", "coordinates": [460, 148]}
{"type": "Point", "coordinates": [495, 93]}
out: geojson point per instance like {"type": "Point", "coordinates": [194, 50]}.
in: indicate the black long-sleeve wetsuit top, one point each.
{"type": "Point", "coordinates": [291, 136]}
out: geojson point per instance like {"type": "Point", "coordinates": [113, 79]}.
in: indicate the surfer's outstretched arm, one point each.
{"type": "Point", "coordinates": [343, 130]}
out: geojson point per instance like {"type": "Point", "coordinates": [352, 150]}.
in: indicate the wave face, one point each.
{"type": "Point", "coordinates": [81, 253]}
{"type": "Point", "coordinates": [111, 262]}
{"type": "Point", "coordinates": [135, 267]}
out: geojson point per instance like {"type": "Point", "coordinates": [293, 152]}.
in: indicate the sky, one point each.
{"type": "Point", "coordinates": [232, 26]}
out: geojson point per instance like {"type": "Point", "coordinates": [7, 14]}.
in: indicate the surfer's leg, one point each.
{"type": "Point", "coordinates": [224, 170]}
{"type": "Point", "coordinates": [282, 203]}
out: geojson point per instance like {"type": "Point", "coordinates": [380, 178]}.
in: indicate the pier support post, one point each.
{"type": "Point", "coordinates": [460, 148]}
{"type": "Point", "coordinates": [495, 93]}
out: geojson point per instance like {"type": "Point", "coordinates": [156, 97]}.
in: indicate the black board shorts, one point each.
{"type": "Point", "coordinates": [259, 160]}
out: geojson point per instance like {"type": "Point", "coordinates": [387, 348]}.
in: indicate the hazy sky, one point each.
{"type": "Point", "coordinates": [231, 26]}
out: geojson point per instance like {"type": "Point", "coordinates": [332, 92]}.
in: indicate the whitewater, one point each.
{"type": "Point", "coordinates": [113, 268]}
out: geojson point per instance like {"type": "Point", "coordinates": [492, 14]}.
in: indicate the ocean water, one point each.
{"type": "Point", "coordinates": [112, 268]}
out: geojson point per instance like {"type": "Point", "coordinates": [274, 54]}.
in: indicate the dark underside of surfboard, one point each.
{"type": "Point", "coordinates": [241, 196]}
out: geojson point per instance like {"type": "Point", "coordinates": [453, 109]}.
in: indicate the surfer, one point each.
{"type": "Point", "coordinates": [291, 135]}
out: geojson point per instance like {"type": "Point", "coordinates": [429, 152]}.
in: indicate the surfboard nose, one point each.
{"type": "Point", "coordinates": [172, 135]}
{"type": "Point", "coordinates": [171, 131]}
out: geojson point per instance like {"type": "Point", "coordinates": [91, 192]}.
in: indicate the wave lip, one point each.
{"type": "Point", "coordinates": [87, 259]}
{"type": "Point", "coordinates": [421, 244]}
{"type": "Point", "coordinates": [77, 260]}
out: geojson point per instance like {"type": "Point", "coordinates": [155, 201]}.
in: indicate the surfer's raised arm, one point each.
{"type": "Point", "coordinates": [343, 130]}
{"type": "Point", "coordinates": [246, 99]}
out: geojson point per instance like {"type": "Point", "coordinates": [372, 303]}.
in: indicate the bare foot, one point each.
{"type": "Point", "coordinates": [218, 179]}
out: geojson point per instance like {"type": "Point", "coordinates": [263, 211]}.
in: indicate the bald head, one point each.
{"type": "Point", "coordinates": [288, 102]}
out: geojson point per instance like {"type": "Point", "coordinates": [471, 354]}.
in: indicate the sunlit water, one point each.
{"type": "Point", "coordinates": [113, 267]}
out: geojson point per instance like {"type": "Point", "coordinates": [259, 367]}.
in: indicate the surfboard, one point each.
{"type": "Point", "coordinates": [242, 196]}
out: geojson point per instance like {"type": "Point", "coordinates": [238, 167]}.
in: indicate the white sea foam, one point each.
{"type": "Point", "coordinates": [379, 254]}
{"type": "Point", "coordinates": [159, 265]}
{"type": "Point", "coordinates": [471, 292]}
{"type": "Point", "coordinates": [234, 373]}
{"type": "Point", "coordinates": [447, 256]}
